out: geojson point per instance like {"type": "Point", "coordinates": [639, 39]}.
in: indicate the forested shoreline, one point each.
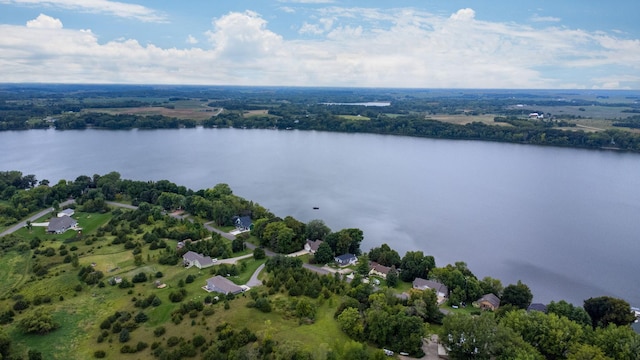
{"type": "Point", "coordinates": [368, 317]}
{"type": "Point", "coordinates": [410, 113]}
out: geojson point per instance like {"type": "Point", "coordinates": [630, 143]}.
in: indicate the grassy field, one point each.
{"type": "Point", "coordinates": [181, 109]}
{"type": "Point", "coordinates": [467, 119]}
{"type": "Point", "coordinates": [15, 268]}
{"type": "Point", "coordinates": [353, 117]}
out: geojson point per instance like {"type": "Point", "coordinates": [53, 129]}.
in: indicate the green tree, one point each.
{"type": "Point", "coordinates": [351, 323]}
{"type": "Point", "coordinates": [324, 254]}
{"type": "Point", "coordinates": [550, 334]}
{"type": "Point", "coordinates": [490, 285]}
{"type": "Point", "coordinates": [316, 230]}
{"type": "Point", "coordinates": [469, 337]}
{"type": "Point", "coordinates": [518, 295]}
{"type": "Point", "coordinates": [363, 265]}
{"type": "Point", "coordinates": [617, 342]}
{"type": "Point", "coordinates": [258, 253]}
{"type": "Point", "coordinates": [5, 344]}
{"type": "Point", "coordinates": [415, 264]}
{"type": "Point", "coordinates": [392, 278]}
{"type": "Point", "coordinates": [607, 310]}
{"type": "Point", "coordinates": [385, 255]}
{"type": "Point", "coordinates": [39, 321]}
{"type": "Point", "coordinates": [575, 313]}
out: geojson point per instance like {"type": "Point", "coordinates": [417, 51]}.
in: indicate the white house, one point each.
{"type": "Point", "coordinates": [312, 246]}
{"type": "Point", "coordinates": [346, 259]}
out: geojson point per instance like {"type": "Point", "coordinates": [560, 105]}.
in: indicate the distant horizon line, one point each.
{"type": "Point", "coordinates": [3, 84]}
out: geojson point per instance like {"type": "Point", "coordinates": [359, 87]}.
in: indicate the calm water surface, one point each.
{"type": "Point", "coordinates": [564, 221]}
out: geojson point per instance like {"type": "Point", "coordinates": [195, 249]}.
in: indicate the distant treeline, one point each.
{"type": "Point", "coordinates": [121, 121]}
{"type": "Point", "coordinates": [522, 132]}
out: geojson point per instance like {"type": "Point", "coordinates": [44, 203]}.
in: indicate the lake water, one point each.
{"type": "Point", "coordinates": [564, 221]}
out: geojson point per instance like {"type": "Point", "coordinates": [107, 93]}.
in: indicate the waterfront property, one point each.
{"type": "Point", "coordinates": [489, 302]}
{"type": "Point", "coordinates": [441, 290]}
{"type": "Point", "coordinates": [378, 269]}
{"type": "Point", "coordinates": [312, 246]}
{"type": "Point", "coordinates": [346, 259]}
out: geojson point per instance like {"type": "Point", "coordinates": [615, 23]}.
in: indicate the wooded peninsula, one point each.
{"type": "Point", "coordinates": [105, 267]}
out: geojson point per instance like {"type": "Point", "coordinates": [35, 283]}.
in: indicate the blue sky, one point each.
{"type": "Point", "coordinates": [403, 43]}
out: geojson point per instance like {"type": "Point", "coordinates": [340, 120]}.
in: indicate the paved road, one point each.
{"type": "Point", "coordinates": [33, 218]}
{"type": "Point", "coordinates": [233, 260]}
{"type": "Point", "coordinates": [126, 206]}
{"type": "Point", "coordinates": [225, 235]}
{"type": "Point", "coordinates": [253, 282]}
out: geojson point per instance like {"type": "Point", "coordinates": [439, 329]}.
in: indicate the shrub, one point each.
{"type": "Point", "coordinates": [124, 336]}
{"type": "Point", "coordinates": [99, 354]}
{"type": "Point", "coordinates": [141, 345]}
{"type": "Point", "coordinates": [141, 317]}
{"type": "Point", "coordinates": [173, 341]}
{"type": "Point", "coordinates": [159, 331]}
{"type": "Point", "coordinates": [126, 349]}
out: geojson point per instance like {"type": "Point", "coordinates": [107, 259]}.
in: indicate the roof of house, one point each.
{"type": "Point", "coordinates": [491, 299]}
{"type": "Point", "coordinates": [66, 212]}
{"type": "Point", "coordinates": [244, 221]}
{"type": "Point", "coordinates": [537, 307]}
{"type": "Point", "coordinates": [192, 256]}
{"type": "Point", "coordinates": [379, 268]}
{"type": "Point", "coordinates": [314, 245]}
{"type": "Point", "coordinates": [226, 286]}
{"type": "Point", "coordinates": [344, 258]}
{"type": "Point", "coordinates": [61, 223]}
{"type": "Point", "coordinates": [430, 284]}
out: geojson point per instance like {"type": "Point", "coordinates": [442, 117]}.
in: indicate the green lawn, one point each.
{"type": "Point", "coordinates": [252, 265]}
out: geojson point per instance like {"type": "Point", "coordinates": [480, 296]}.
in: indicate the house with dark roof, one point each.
{"type": "Point", "coordinates": [242, 223]}
{"type": "Point", "coordinates": [440, 289]}
{"type": "Point", "coordinates": [537, 307]}
{"type": "Point", "coordinates": [191, 258]}
{"type": "Point", "coordinates": [59, 225]}
{"type": "Point", "coordinates": [346, 259]}
{"type": "Point", "coordinates": [376, 269]}
{"type": "Point", "coordinates": [489, 302]}
{"type": "Point", "coordinates": [312, 246]}
{"type": "Point", "coordinates": [222, 285]}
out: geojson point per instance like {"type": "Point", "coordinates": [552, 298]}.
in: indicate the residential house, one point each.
{"type": "Point", "coordinates": [378, 269]}
{"type": "Point", "coordinates": [191, 258]}
{"type": "Point", "coordinates": [312, 246]}
{"type": "Point", "coordinates": [222, 285]}
{"type": "Point", "coordinates": [537, 307]}
{"type": "Point", "coordinates": [489, 302]}
{"type": "Point", "coordinates": [440, 289]}
{"type": "Point", "coordinates": [346, 259]}
{"type": "Point", "coordinates": [59, 225]}
{"type": "Point", "coordinates": [66, 212]}
{"type": "Point", "coordinates": [242, 223]}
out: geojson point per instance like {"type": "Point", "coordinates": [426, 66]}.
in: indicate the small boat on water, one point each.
{"type": "Point", "coordinates": [316, 208]}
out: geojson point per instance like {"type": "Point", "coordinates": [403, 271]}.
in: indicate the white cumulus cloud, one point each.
{"type": "Point", "coordinates": [463, 14]}
{"type": "Point", "coordinates": [357, 47]}
{"type": "Point", "coordinates": [44, 22]}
